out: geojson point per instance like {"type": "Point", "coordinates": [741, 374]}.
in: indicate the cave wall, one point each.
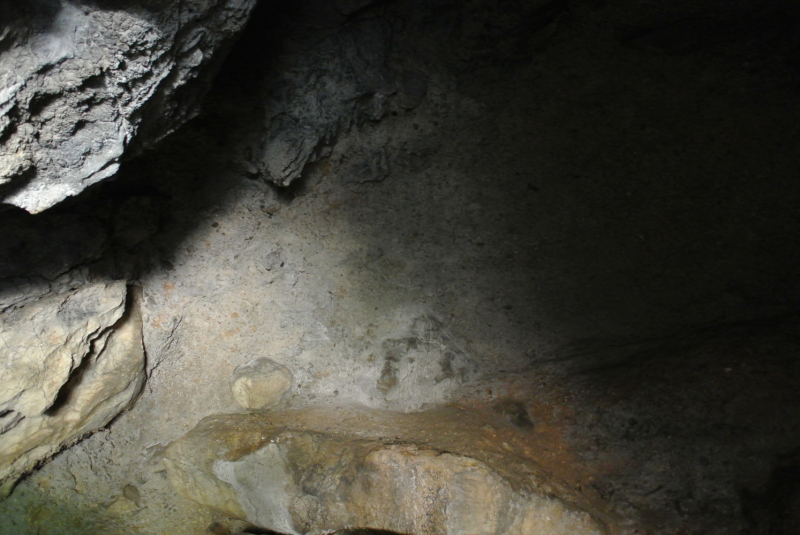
{"type": "Point", "coordinates": [572, 221]}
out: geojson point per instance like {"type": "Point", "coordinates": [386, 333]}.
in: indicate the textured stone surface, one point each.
{"type": "Point", "coordinates": [340, 81]}
{"type": "Point", "coordinates": [71, 363]}
{"type": "Point", "coordinates": [260, 384]}
{"type": "Point", "coordinates": [558, 190]}
{"type": "Point", "coordinates": [81, 85]}
{"type": "Point", "coordinates": [334, 75]}
{"type": "Point", "coordinates": [311, 481]}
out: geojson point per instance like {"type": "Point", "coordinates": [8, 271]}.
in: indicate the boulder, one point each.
{"type": "Point", "coordinates": [83, 83]}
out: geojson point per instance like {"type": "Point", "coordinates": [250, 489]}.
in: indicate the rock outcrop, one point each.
{"type": "Point", "coordinates": [342, 80]}
{"type": "Point", "coordinates": [333, 67]}
{"type": "Point", "coordinates": [276, 471]}
{"type": "Point", "coordinates": [83, 84]}
{"type": "Point", "coordinates": [71, 363]}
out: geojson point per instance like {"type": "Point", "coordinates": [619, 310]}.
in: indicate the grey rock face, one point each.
{"type": "Point", "coordinates": [81, 85]}
{"type": "Point", "coordinates": [332, 70]}
{"type": "Point", "coordinates": [71, 362]}
{"type": "Point", "coordinates": [341, 80]}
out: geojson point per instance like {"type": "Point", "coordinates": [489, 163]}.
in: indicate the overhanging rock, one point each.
{"type": "Point", "coordinates": [83, 83]}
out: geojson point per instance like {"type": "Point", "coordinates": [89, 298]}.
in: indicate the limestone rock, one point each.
{"type": "Point", "coordinates": [260, 384]}
{"type": "Point", "coordinates": [335, 81]}
{"type": "Point", "coordinates": [80, 86]}
{"type": "Point", "coordinates": [315, 481]}
{"type": "Point", "coordinates": [71, 362]}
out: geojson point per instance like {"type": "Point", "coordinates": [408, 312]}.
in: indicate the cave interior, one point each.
{"type": "Point", "coordinates": [427, 266]}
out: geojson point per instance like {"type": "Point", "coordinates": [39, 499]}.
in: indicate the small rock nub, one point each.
{"type": "Point", "coordinates": [260, 384]}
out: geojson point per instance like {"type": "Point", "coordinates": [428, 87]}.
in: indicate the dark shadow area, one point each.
{"type": "Point", "coordinates": [607, 193]}
{"type": "Point", "coordinates": [22, 14]}
{"type": "Point", "coordinates": [16, 184]}
{"type": "Point", "coordinates": [777, 509]}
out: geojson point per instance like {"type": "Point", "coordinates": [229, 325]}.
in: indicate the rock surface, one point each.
{"type": "Point", "coordinates": [72, 362]}
{"type": "Point", "coordinates": [293, 479]}
{"type": "Point", "coordinates": [340, 81]}
{"type": "Point", "coordinates": [335, 74]}
{"type": "Point", "coordinates": [548, 223]}
{"type": "Point", "coordinates": [81, 86]}
{"type": "Point", "coordinates": [260, 384]}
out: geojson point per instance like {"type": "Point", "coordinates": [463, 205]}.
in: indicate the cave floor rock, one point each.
{"type": "Point", "coordinates": [448, 470]}
{"type": "Point", "coordinates": [579, 239]}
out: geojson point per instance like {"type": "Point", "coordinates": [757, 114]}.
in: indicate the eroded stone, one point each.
{"type": "Point", "coordinates": [71, 363]}
{"type": "Point", "coordinates": [81, 86]}
{"type": "Point", "coordinates": [314, 481]}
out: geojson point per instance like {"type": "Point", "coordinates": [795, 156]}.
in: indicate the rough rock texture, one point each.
{"type": "Point", "coordinates": [260, 384]}
{"type": "Point", "coordinates": [296, 480]}
{"type": "Point", "coordinates": [580, 229]}
{"type": "Point", "coordinates": [332, 74]}
{"type": "Point", "coordinates": [340, 81]}
{"type": "Point", "coordinates": [72, 362]}
{"type": "Point", "coordinates": [81, 84]}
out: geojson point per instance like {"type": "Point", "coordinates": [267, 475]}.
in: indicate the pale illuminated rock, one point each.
{"type": "Point", "coordinates": [72, 362]}
{"type": "Point", "coordinates": [260, 384]}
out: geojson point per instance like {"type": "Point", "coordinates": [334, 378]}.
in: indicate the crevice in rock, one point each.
{"type": "Point", "coordinates": [9, 419]}
{"type": "Point", "coordinates": [65, 397]}
{"type": "Point", "coordinates": [775, 509]}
